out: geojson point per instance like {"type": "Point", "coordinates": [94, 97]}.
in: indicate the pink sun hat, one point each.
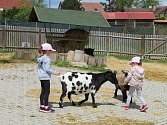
{"type": "Point", "coordinates": [47, 46]}
{"type": "Point", "coordinates": [135, 59]}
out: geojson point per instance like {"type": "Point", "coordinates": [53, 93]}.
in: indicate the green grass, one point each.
{"type": "Point", "coordinates": [62, 64]}
{"type": "Point", "coordinates": [5, 51]}
{"type": "Point", "coordinates": [4, 61]}
{"type": "Point", "coordinates": [128, 58]}
{"type": "Point", "coordinates": [90, 68]}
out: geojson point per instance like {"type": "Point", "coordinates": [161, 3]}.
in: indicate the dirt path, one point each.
{"type": "Point", "coordinates": [20, 88]}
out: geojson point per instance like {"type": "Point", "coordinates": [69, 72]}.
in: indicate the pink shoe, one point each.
{"type": "Point", "coordinates": [143, 108]}
{"type": "Point", "coordinates": [127, 107]}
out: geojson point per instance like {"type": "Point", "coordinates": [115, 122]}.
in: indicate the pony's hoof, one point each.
{"type": "Point", "coordinates": [73, 104]}
{"type": "Point", "coordinates": [79, 103]}
{"type": "Point", "coordinates": [60, 105]}
{"type": "Point", "coordinates": [94, 106]}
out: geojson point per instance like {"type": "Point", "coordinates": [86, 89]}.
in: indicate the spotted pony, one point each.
{"type": "Point", "coordinates": [87, 83]}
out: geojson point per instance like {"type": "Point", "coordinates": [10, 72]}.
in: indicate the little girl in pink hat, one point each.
{"type": "Point", "coordinates": [135, 81]}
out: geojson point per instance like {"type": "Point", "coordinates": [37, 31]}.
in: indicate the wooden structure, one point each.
{"type": "Point", "coordinates": [74, 38]}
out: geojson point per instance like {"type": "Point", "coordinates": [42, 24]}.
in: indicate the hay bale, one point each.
{"type": "Point", "coordinates": [54, 56]}
{"type": "Point", "coordinates": [73, 39]}
{"type": "Point", "coordinates": [6, 56]}
{"type": "Point", "coordinates": [86, 58]}
{"type": "Point", "coordinates": [70, 56]}
{"type": "Point", "coordinates": [92, 61]}
{"type": "Point", "coordinates": [100, 61]}
{"type": "Point", "coordinates": [79, 56]}
{"type": "Point", "coordinates": [19, 54]}
{"type": "Point", "coordinates": [28, 56]}
{"type": "Point", "coordinates": [62, 57]}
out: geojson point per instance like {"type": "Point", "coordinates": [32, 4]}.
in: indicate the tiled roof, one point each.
{"type": "Point", "coordinates": [73, 17]}
{"type": "Point", "coordinates": [8, 4]}
{"type": "Point", "coordinates": [137, 10]}
{"type": "Point", "coordinates": [128, 15]}
{"type": "Point", "coordinates": [90, 6]}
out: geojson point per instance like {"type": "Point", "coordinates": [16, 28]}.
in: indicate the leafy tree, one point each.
{"type": "Point", "coordinates": [71, 5]}
{"type": "Point", "coordinates": [146, 3]}
{"type": "Point", "coordinates": [16, 13]}
{"type": "Point", "coordinates": [21, 13]}
{"type": "Point", "coordinates": [119, 5]}
{"type": "Point", "coordinates": [38, 3]}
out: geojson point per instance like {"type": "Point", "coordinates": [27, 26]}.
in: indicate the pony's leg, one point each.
{"type": "Point", "coordinates": [124, 94]}
{"type": "Point", "coordinates": [93, 100]}
{"type": "Point", "coordinates": [115, 94]}
{"type": "Point", "coordinates": [64, 91]}
{"type": "Point", "coordinates": [69, 97]}
{"type": "Point", "coordinates": [61, 99]}
{"type": "Point", "coordinates": [86, 99]}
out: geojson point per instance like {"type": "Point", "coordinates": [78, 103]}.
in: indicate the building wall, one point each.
{"type": "Point", "coordinates": [146, 23]}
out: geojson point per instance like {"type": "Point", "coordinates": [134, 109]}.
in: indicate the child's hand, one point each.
{"type": "Point", "coordinates": [58, 73]}
{"type": "Point", "coordinates": [124, 83]}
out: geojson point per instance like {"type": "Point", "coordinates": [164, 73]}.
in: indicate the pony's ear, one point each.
{"type": "Point", "coordinates": [115, 72]}
{"type": "Point", "coordinates": [125, 71]}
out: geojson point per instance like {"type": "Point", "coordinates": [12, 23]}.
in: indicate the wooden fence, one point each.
{"type": "Point", "coordinates": [29, 38]}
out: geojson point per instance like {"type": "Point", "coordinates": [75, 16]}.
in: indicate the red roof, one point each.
{"type": "Point", "coordinates": [90, 6]}
{"type": "Point", "coordinates": [8, 4]}
{"type": "Point", "coordinates": [128, 15]}
{"type": "Point", "coordinates": [160, 21]}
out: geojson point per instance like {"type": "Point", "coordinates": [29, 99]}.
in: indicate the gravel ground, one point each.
{"type": "Point", "coordinates": [17, 109]}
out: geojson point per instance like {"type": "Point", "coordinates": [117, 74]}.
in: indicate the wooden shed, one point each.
{"type": "Point", "coordinates": [73, 38]}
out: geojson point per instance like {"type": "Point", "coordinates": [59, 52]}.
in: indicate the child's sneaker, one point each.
{"type": "Point", "coordinates": [143, 108]}
{"type": "Point", "coordinates": [48, 110]}
{"type": "Point", "coordinates": [41, 109]}
{"type": "Point", "coordinates": [127, 107]}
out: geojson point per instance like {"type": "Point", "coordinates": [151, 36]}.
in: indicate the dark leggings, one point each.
{"type": "Point", "coordinates": [45, 91]}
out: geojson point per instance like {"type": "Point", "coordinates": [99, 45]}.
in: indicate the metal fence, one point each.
{"type": "Point", "coordinates": [30, 38]}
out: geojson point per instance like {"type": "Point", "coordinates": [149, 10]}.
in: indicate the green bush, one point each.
{"type": "Point", "coordinates": [90, 68]}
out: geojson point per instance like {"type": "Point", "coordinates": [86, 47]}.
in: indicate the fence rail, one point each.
{"type": "Point", "coordinates": [28, 38]}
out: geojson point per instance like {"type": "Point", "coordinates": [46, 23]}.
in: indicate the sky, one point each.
{"type": "Point", "coordinates": [55, 3]}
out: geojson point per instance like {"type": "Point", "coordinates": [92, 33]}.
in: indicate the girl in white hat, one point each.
{"type": "Point", "coordinates": [135, 81]}
{"type": "Point", "coordinates": [44, 72]}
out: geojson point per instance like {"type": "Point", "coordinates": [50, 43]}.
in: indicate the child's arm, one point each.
{"type": "Point", "coordinates": [48, 67]}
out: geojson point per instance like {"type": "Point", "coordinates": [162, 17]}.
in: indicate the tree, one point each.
{"type": "Point", "coordinates": [71, 5]}
{"type": "Point", "coordinates": [21, 13]}
{"type": "Point", "coordinates": [17, 13]}
{"type": "Point", "coordinates": [119, 5]}
{"type": "Point", "coordinates": [146, 3]}
{"type": "Point", "coordinates": [38, 3]}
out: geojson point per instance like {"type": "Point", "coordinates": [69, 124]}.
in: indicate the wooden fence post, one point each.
{"type": "Point", "coordinates": [39, 40]}
{"type": "Point", "coordinates": [107, 43]}
{"type": "Point", "coordinates": [142, 52]}
{"type": "Point", "coordinates": [4, 40]}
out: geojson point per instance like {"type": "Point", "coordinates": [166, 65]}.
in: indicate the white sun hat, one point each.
{"type": "Point", "coordinates": [47, 46]}
{"type": "Point", "coordinates": [135, 59]}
